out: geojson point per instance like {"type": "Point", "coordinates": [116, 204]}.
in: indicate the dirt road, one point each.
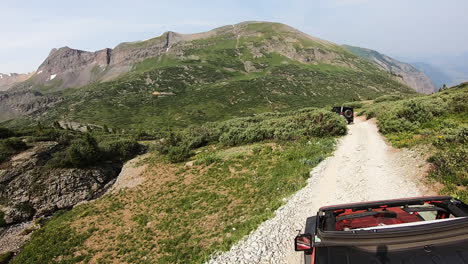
{"type": "Point", "coordinates": [363, 168]}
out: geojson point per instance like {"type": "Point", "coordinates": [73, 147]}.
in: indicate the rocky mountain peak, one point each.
{"type": "Point", "coordinates": [67, 67]}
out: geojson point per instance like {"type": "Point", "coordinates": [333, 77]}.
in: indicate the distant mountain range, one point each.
{"type": "Point", "coordinates": [8, 80]}
{"type": "Point", "coordinates": [438, 77]}
{"type": "Point", "coordinates": [406, 73]}
{"type": "Point", "coordinates": [182, 79]}
{"type": "Point", "coordinates": [449, 69]}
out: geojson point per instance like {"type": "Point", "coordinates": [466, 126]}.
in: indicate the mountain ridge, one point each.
{"type": "Point", "coordinates": [8, 80]}
{"type": "Point", "coordinates": [67, 67]}
{"type": "Point", "coordinates": [403, 72]}
{"type": "Point", "coordinates": [78, 67]}
{"type": "Point", "coordinates": [182, 79]}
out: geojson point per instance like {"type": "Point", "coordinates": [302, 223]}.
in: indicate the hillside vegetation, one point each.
{"type": "Point", "coordinates": [239, 70]}
{"type": "Point", "coordinates": [74, 149]}
{"type": "Point", "coordinates": [241, 171]}
{"type": "Point", "coordinates": [438, 121]}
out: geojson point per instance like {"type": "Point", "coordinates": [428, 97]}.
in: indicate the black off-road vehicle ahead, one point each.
{"type": "Point", "coordinates": [414, 230]}
{"type": "Point", "coordinates": [346, 112]}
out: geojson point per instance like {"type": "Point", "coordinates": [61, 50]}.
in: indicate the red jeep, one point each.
{"type": "Point", "coordinates": [413, 230]}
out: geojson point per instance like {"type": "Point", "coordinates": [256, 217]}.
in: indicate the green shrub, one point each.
{"type": "Point", "coordinates": [179, 153]}
{"type": "Point", "coordinates": [315, 123]}
{"type": "Point", "coordinates": [459, 104]}
{"type": "Point", "coordinates": [11, 146]}
{"type": "Point", "coordinates": [80, 153]}
{"type": "Point", "coordinates": [119, 149]}
{"type": "Point", "coordinates": [2, 219]}
{"type": "Point", "coordinates": [83, 152]}
{"type": "Point", "coordinates": [450, 166]}
{"type": "Point", "coordinates": [308, 122]}
{"type": "Point", "coordinates": [394, 125]}
{"type": "Point", "coordinates": [386, 98]}
{"type": "Point", "coordinates": [6, 257]}
{"type": "Point", "coordinates": [452, 136]}
{"type": "Point", "coordinates": [43, 134]}
{"type": "Point", "coordinates": [415, 111]}
{"type": "Point", "coordinates": [6, 133]}
{"type": "Point", "coordinates": [14, 144]}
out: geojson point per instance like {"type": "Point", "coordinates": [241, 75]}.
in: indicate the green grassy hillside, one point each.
{"type": "Point", "coordinates": [439, 123]}
{"type": "Point", "coordinates": [240, 173]}
{"type": "Point", "coordinates": [258, 67]}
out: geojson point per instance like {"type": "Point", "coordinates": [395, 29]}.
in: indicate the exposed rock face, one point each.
{"type": "Point", "coordinates": [27, 189]}
{"type": "Point", "coordinates": [403, 72]}
{"type": "Point", "coordinates": [72, 68]}
{"type": "Point", "coordinates": [15, 103]}
{"type": "Point", "coordinates": [9, 80]}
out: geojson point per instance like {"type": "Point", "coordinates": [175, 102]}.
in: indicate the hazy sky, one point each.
{"type": "Point", "coordinates": [401, 28]}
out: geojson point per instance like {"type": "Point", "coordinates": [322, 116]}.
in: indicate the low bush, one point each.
{"type": "Point", "coordinates": [6, 257]}
{"type": "Point", "coordinates": [6, 133]}
{"type": "Point", "coordinates": [415, 111]}
{"type": "Point", "coordinates": [179, 153]}
{"type": "Point", "coordinates": [438, 120]}
{"type": "Point", "coordinates": [11, 146]}
{"type": "Point", "coordinates": [119, 149]}
{"type": "Point", "coordinates": [386, 98]}
{"type": "Point", "coordinates": [2, 219]}
{"type": "Point", "coordinates": [14, 144]}
{"type": "Point", "coordinates": [409, 114]}
{"type": "Point", "coordinates": [86, 151]}
{"type": "Point", "coordinates": [308, 122]}
{"type": "Point", "coordinates": [451, 166]}
{"type": "Point", "coordinates": [82, 152]}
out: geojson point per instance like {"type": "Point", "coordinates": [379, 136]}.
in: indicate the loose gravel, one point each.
{"type": "Point", "coordinates": [363, 168]}
{"type": "Point", "coordinates": [12, 238]}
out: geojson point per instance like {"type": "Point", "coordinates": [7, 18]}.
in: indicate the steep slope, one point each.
{"type": "Point", "coordinates": [8, 80]}
{"type": "Point", "coordinates": [403, 72]}
{"type": "Point", "coordinates": [178, 79]}
{"type": "Point", "coordinates": [438, 77]}
{"type": "Point", "coordinates": [72, 68]}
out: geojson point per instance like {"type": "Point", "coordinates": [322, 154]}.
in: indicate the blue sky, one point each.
{"type": "Point", "coordinates": [412, 29]}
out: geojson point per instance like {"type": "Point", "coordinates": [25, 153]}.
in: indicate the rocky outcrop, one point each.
{"type": "Point", "coordinates": [10, 79]}
{"type": "Point", "coordinates": [29, 189]}
{"type": "Point", "coordinates": [66, 67]}
{"type": "Point", "coordinates": [15, 103]}
{"type": "Point", "coordinates": [403, 72]}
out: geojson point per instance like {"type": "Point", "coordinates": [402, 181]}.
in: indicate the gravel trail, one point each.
{"type": "Point", "coordinates": [363, 168]}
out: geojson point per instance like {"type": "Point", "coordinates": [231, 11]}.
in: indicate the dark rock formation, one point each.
{"type": "Point", "coordinates": [67, 67]}
{"type": "Point", "coordinates": [29, 189]}
{"type": "Point", "coordinates": [15, 103]}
